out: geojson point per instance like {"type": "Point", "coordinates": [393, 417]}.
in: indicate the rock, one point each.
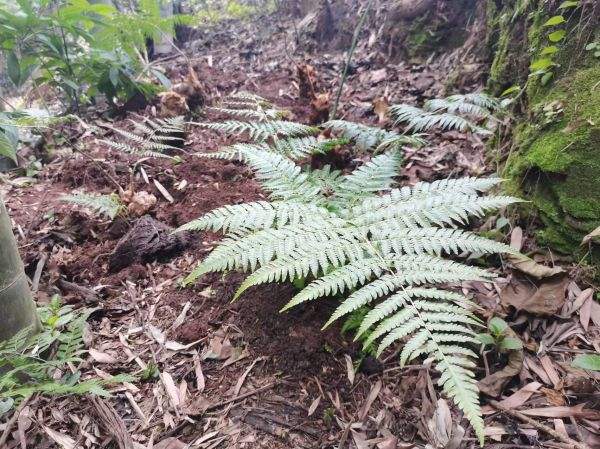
{"type": "Point", "coordinates": [146, 241]}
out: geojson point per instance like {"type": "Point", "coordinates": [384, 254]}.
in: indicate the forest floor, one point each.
{"type": "Point", "coordinates": [240, 374]}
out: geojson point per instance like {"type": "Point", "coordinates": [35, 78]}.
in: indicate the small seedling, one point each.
{"type": "Point", "coordinates": [497, 336]}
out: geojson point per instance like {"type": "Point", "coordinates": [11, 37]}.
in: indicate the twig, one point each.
{"type": "Point", "coordinates": [541, 427]}
{"type": "Point", "coordinates": [240, 397]}
{"type": "Point", "coordinates": [11, 422]}
{"type": "Point", "coordinates": [350, 53]}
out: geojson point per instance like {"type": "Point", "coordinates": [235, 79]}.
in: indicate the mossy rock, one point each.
{"type": "Point", "coordinates": [557, 161]}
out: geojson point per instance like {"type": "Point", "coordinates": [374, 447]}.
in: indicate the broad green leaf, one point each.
{"type": "Point", "coordinates": [550, 50]}
{"type": "Point", "coordinates": [568, 4]}
{"type": "Point", "coordinates": [587, 361]}
{"type": "Point", "coordinates": [497, 326]}
{"type": "Point", "coordinates": [556, 20]}
{"type": "Point", "coordinates": [486, 339]}
{"type": "Point", "coordinates": [546, 78]}
{"type": "Point", "coordinates": [510, 343]}
{"type": "Point", "coordinates": [541, 64]}
{"type": "Point", "coordinates": [511, 90]}
{"type": "Point", "coordinates": [13, 68]}
{"type": "Point", "coordinates": [113, 75]}
{"type": "Point", "coordinates": [557, 36]}
{"type": "Point", "coordinates": [7, 147]}
{"type": "Point", "coordinates": [166, 82]}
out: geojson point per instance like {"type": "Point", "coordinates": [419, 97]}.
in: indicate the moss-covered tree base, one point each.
{"type": "Point", "coordinates": [555, 157]}
{"type": "Point", "coordinates": [556, 161]}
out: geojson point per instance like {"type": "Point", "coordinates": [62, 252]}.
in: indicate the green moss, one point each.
{"type": "Point", "coordinates": [558, 164]}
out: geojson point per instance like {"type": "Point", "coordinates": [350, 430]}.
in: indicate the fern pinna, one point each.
{"type": "Point", "coordinates": [150, 138]}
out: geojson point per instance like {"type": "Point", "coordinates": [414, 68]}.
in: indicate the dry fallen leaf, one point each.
{"type": "Point", "coordinates": [349, 368]}
{"type": "Point", "coordinates": [314, 406]}
{"type": "Point", "coordinates": [518, 398]}
{"type": "Point", "coordinates": [531, 267]}
{"type": "Point", "coordinates": [101, 357]}
{"type": "Point", "coordinates": [64, 441]}
{"type": "Point", "coordinates": [380, 107]}
{"type": "Point", "coordinates": [170, 443]}
{"type": "Point", "coordinates": [364, 410]}
{"type": "Point", "coordinates": [378, 76]}
{"type": "Point", "coordinates": [546, 298]}
{"type": "Point", "coordinates": [592, 236]}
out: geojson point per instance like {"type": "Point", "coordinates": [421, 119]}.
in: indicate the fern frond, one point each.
{"type": "Point", "coordinates": [418, 120]}
{"type": "Point", "coordinates": [478, 99]}
{"type": "Point", "coordinates": [261, 130]}
{"type": "Point", "coordinates": [256, 216]}
{"type": "Point", "coordinates": [108, 205]}
{"type": "Point", "coordinates": [386, 252]}
{"type": "Point", "coordinates": [453, 107]}
{"type": "Point", "coordinates": [301, 147]}
{"type": "Point", "coordinates": [371, 138]}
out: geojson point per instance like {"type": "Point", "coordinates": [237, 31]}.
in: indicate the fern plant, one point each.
{"type": "Point", "coordinates": [371, 138]}
{"type": "Point", "coordinates": [265, 128]}
{"type": "Point", "coordinates": [386, 248]}
{"type": "Point", "coordinates": [150, 138]}
{"type": "Point", "coordinates": [40, 363]}
{"type": "Point", "coordinates": [447, 113]}
{"type": "Point", "coordinates": [108, 205]}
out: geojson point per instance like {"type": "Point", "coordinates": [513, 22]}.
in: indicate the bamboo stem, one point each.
{"type": "Point", "coordinates": [17, 308]}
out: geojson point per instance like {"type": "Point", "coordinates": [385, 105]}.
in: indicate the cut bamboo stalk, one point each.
{"type": "Point", "coordinates": [17, 309]}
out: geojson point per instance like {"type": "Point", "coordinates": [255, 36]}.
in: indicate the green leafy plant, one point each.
{"type": "Point", "coordinates": [545, 63]}
{"type": "Point", "coordinates": [498, 338]}
{"type": "Point", "coordinates": [41, 363]}
{"type": "Point", "coordinates": [83, 49]}
{"type": "Point", "coordinates": [110, 206]}
{"type": "Point", "coordinates": [11, 122]}
{"type": "Point", "coordinates": [149, 138]}
{"type": "Point", "coordinates": [357, 237]}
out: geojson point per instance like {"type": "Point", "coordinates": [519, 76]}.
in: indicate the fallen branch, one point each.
{"type": "Point", "coordinates": [541, 427]}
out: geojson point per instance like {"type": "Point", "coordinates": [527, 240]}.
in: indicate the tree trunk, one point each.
{"type": "Point", "coordinates": [164, 44]}
{"type": "Point", "coordinates": [17, 309]}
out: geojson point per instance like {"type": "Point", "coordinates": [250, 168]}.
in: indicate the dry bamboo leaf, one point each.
{"type": "Point", "coordinates": [171, 389]}
{"type": "Point", "coordinates": [101, 357]}
{"type": "Point", "coordinates": [314, 405]}
{"type": "Point", "coordinates": [518, 398]}
{"type": "Point", "coordinates": [64, 441]}
{"type": "Point", "coordinates": [364, 410]}
{"type": "Point", "coordinates": [349, 368]}
{"type": "Point", "coordinates": [200, 381]}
